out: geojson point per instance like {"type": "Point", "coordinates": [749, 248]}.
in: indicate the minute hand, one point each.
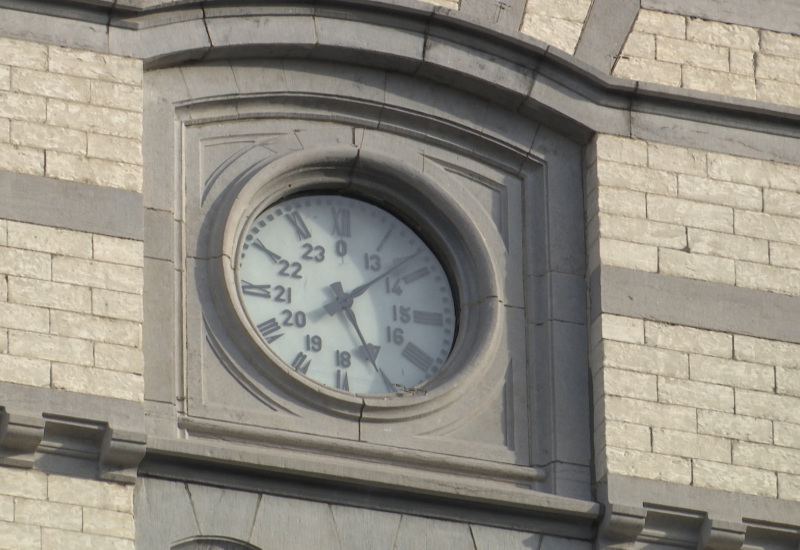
{"type": "Point", "coordinates": [359, 290]}
{"type": "Point", "coordinates": [347, 298]}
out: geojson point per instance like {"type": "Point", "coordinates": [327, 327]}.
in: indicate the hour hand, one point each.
{"type": "Point", "coordinates": [342, 300]}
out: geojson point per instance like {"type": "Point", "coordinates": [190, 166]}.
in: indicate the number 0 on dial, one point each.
{"type": "Point", "coordinates": [346, 294]}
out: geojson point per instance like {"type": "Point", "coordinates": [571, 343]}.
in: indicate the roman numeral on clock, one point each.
{"type": "Point", "coordinates": [341, 222]}
{"type": "Point", "coordinates": [417, 357]}
{"type": "Point", "coordinates": [428, 318]}
{"type": "Point", "coordinates": [298, 363]}
{"type": "Point", "coordinates": [299, 225]}
{"type": "Point", "coordinates": [414, 275]}
{"type": "Point", "coordinates": [268, 329]}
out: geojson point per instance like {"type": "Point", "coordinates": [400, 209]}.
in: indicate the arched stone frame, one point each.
{"type": "Point", "coordinates": [212, 543]}
{"type": "Point", "coordinates": [230, 85]}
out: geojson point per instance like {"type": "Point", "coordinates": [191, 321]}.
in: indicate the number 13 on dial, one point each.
{"type": "Point", "coordinates": [346, 294]}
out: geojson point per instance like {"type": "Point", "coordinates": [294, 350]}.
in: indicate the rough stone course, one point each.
{"type": "Point", "coordinates": [710, 56]}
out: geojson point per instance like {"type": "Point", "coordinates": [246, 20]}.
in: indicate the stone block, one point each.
{"type": "Point", "coordinates": [6, 508]}
{"type": "Point", "coordinates": [769, 352]}
{"type": "Point", "coordinates": [788, 487]}
{"type": "Point", "coordinates": [691, 445]}
{"type": "Point", "coordinates": [108, 522]}
{"type": "Point", "coordinates": [661, 24]}
{"type": "Point", "coordinates": [690, 213]}
{"type": "Point", "coordinates": [628, 436]}
{"type": "Point", "coordinates": [90, 493]}
{"type": "Point", "coordinates": [767, 226]}
{"type": "Point", "coordinates": [116, 96]}
{"type": "Point", "coordinates": [119, 149]}
{"type": "Point", "coordinates": [734, 426]}
{"type": "Point", "coordinates": [569, 11]}
{"type": "Point", "coordinates": [92, 118]}
{"type": "Point", "coordinates": [93, 171]}
{"type": "Point", "coordinates": [118, 358]}
{"type": "Point", "coordinates": [624, 254]}
{"type": "Point", "coordinates": [560, 33]}
{"type": "Point", "coordinates": [620, 329]}
{"type": "Point", "coordinates": [111, 68]}
{"type": "Point", "coordinates": [43, 136]}
{"type": "Point", "coordinates": [91, 381]}
{"type": "Point", "coordinates": [754, 172]}
{"type": "Point", "coordinates": [768, 406]}
{"type": "Point", "coordinates": [642, 231]}
{"type": "Point", "coordinates": [24, 370]}
{"type": "Point", "coordinates": [688, 339]}
{"type": "Point", "coordinates": [118, 251]}
{"type": "Point", "coordinates": [788, 381]}
{"type": "Point", "coordinates": [696, 266]}
{"type": "Point", "coordinates": [737, 374]}
{"type": "Point", "coordinates": [779, 43]}
{"type": "Point", "coordinates": [784, 255]}
{"type": "Point", "coordinates": [647, 413]}
{"type": "Point", "coordinates": [49, 514]}
{"type": "Point", "coordinates": [699, 395]}
{"type": "Point", "coordinates": [746, 197]}
{"type": "Point", "coordinates": [726, 245]}
{"type": "Point", "coordinates": [97, 274]}
{"type": "Point", "coordinates": [637, 178]}
{"type": "Point", "coordinates": [24, 263]}
{"type": "Point", "coordinates": [648, 70]}
{"type": "Point", "coordinates": [24, 483]}
{"type": "Point", "coordinates": [649, 465]}
{"type": "Point", "coordinates": [619, 201]}
{"type": "Point", "coordinates": [49, 239]}
{"type": "Point", "coordinates": [621, 149]}
{"type": "Point", "coordinates": [767, 277]}
{"type": "Point", "coordinates": [783, 69]}
{"type": "Point", "coordinates": [47, 294]}
{"type": "Point", "coordinates": [767, 457]}
{"type": "Point", "coordinates": [117, 305]}
{"type": "Point", "coordinates": [22, 160]}
{"type": "Point", "coordinates": [90, 327]}
{"type": "Point", "coordinates": [670, 158]}
{"type": "Point", "coordinates": [21, 53]}
{"type": "Point", "coordinates": [24, 317]}
{"type": "Point", "coordinates": [781, 202]}
{"type": "Point", "coordinates": [48, 84]}
{"type": "Point", "coordinates": [50, 347]}
{"type": "Point", "coordinates": [640, 45]}
{"type": "Point", "coordinates": [743, 63]}
{"type": "Point", "coordinates": [19, 106]}
{"type": "Point", "coordinates": [722, 34]}
{"type": "Point", "coordinates": [645, 359]}
{"type": "Point", "coordinates": [715, 475]}
{"type": "Point", "coordinates": [20, 536]}
{"type": "Point", "coordinates": [55, 539]}
{"type": "Point", "coordinates": [623, 383]}
{"type": "Point", "coordinates": [684, 52]}
{"type": "Point", "coordinates": [718, 82]}
{"type": "Point", "coordinates": [787, 435]}
{"type": "Point", "coordinates": [782, 93]}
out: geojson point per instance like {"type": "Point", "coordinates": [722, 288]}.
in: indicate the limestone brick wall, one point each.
{"type": "Point", "coordinates": [680, 404]}
{"type": "Point", "coordinates": [70, 114]}
{"type": "Point", "coordinates": [556, 22]}
{"type": "Point", "coordinates": [40, 511]}
{"type": "Point", "coordinates": [714, 57]}
{"type": "Point", "coordinates": [70, 301]}
{"type": "Point", "coordinates": [696, 214]}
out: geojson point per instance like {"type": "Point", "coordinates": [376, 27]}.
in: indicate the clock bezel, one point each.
{"type": "Point", "coordinates": [441, 221]}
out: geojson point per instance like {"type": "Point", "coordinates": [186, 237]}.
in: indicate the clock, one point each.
{"type": "Point", "coordinates": [345, 294]}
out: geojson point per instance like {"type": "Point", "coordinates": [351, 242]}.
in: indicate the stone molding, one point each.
{"type": "Point", "coordinates": [60, 432]}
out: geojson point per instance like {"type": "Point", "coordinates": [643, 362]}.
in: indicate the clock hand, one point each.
{"type": "Point", "coordinates": [345, 299]}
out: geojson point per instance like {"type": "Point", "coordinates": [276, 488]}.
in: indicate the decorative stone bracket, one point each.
{"type": "Point", "coordinates": [629, 527]}
{"type": "Point", "coordinates": [82, 446]}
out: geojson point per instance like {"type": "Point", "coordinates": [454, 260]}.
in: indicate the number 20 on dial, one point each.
{"type": "Point", "coordinates": [346, 294]}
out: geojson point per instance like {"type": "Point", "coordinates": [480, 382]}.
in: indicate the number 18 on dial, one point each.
{"type": "Point", "coordinates": [346, 294]}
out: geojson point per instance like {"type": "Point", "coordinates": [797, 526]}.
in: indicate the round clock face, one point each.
{"type": "Point", "coordinates": [346, 294]}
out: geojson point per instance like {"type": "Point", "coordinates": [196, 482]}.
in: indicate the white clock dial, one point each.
{"type": "Point", "coordinates": [346, 294]}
